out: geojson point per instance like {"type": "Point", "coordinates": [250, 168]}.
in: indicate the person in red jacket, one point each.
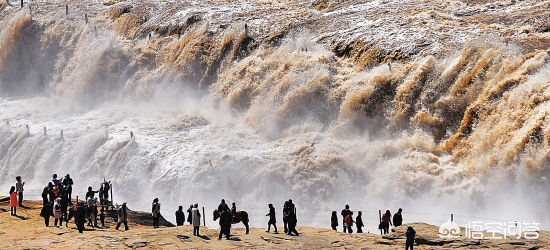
{"type": "Point", "coordinates": [386, 222]}
{"type": "Point", "coordinates": [13, 201]}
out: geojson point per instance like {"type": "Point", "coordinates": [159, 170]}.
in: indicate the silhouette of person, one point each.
{"type": "Point", "coordinates": [180, 216]}
{"type": "Point", "coordinates": [398, 218]}
{"type": "Point", "coordinates": [272, 218]}
{"type": "Point", "coordinates": [345, 212]}
{"type": "Point", "coordinates": [334, 220]}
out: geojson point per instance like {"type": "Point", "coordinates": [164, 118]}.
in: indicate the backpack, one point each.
{"type": "Point", "coordinates": [347, 219]}
{"type": "Point", "coordinates": [57, 191]}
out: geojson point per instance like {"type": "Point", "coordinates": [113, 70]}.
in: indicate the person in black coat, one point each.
{"type": "Point", "coordinates": [51, 192]}
{"type": "Point", "coordinates": [285, 216]}
{"type": "Point", "coordinates": [68, 182]}
{"type": "Point", "coordinates": [225, 224]}
{"type": "Point", "coordinates": [410, 234]}
{"type": "Point", "coordinates": [345, 212]}
{"type": "Point", "coordinates": [180, 216]}
{"type": "Point", "coordinates": [189, 218]}
{"type": "Point", "coordinates": [223, 206]}
{"type": "Point", "coordinates": [46, 213]}
{"type": "Point", "coordinates": [292, 221]}
{"type": "Point", "coordinates": [272, 218]}
{"type": "Point", "coordinates": [334, 220]}
{"type": "Point", "coordinates": [80, 217]}
{"type": "Point", "coordinates": [359, 222]}
{"type": "Point", "coordinates": [398, 218]}
{"type": "Point", "coordinates": [45, 193]}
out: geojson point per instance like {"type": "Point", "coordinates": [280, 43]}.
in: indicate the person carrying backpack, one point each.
{"type": "Point", "coordinates": [122, 216]}
{"type": "Point", "coordinates": [386, 222]}
{"type": "Point", "coordinates": [348, 222]}
{"type": "Point", "coordinates": [397, 218]}
{"type": "Point", "coordinates": [345, 212]}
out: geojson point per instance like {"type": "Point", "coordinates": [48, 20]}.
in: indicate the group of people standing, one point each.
{"type": "Point", "coordinates": [348, 221]}
{"type": "Point", "coordinates": [385, 223]}
{"type": "Point", "coordinates": [57, 202]}
{"type": "Point", "coordinates": [386, 220]}
{"type": "Point", "coordinates": [56, 198]}
{"type": "Point", "coordinates": [193, 216]}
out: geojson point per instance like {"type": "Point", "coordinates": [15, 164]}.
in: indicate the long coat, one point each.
{"type": "Point", "coordinates": [13, 199]}
{"type": "Point", "coordinates": [196, 217]}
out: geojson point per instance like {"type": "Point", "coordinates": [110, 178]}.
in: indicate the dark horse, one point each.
{"type": "Point", "coordinates": [241, 216]}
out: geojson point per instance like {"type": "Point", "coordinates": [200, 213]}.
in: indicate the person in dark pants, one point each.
{"type": "Point", "coordinates": [285, 216]}
{"type": "Point", "coordinates": [180, 216]}
{"type": "Point", "coordinates": [345, 212]}
{"type": "Point", "coordinates": [46, 213]}
{"type": "Point", "coordinates": [122, 217]}
{"type": "Point", "coordinates": [64, 205]}
{"type": "Point", "coordinates": [234, 211]}
{"type": "Point", "coordinates": [292, 221]}
{"type": "Point", "coordinates": [80, 216]}
{"type": "Point", "coordinates": [13, 201]}
{"type": "Point", "coordinates": [334, 221]}
{"type": "Point", "coordinates": [57, 213]}
{"type": "Point", "coordinates": [102, 216]}
{"type": "Point", "coordinates": [189, 217]}
{"type": "Point", "coordinates": [68, 182]}
{"type": "Point", "coordinates": [19, 189]}
{"type": "Point", "coordinates": [410, 234]}
{"type": "Point", "coordinates": [51, 194]}
{"type": "Point", "coordinates": [398, 218]}
{"type": "Point", "coordinates": [196, 219]}
{"type": "Point", "coordinates": [45, 193]}
{"type": "Point", "coordinates": [225, 224]}
{"type": "Point", "coordinates": [359, 222]}
{"type": "Point", "coordinates": [348, 222]}
{"type": "Point", "coordinates": [156, 212]}
{"type": "Point", "coordinates": [386, 222]}
{"type": "Point", "coordinates": [272, 218]}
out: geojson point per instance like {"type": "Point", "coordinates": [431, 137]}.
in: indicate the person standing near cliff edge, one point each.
{"type": "Point", "coordinates": [156, 212]}
{"type": "Point", "coordinates": [19, 189]}
{"type": "Point", "coordinates": [196, 219]}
